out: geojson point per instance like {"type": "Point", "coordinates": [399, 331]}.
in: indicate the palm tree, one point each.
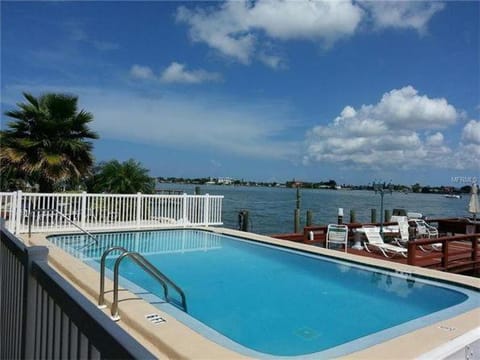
{"type": "Point", "coordinates": [48, 140]}
{"type": "Point", "coordinates": [128, 177]}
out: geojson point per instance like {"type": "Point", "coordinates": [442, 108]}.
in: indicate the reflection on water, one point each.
{"type": "Point", "coordinates": [143, 242]}
{"type": "Point", "coordinates": [400, 285]}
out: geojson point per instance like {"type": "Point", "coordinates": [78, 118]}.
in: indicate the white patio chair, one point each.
{"type": "Point", "coordinates": [403, 229]}
{"type": "Point", "coordinates": [375, 241]}
{"type": "Point", "coordinates": [426, 231]}
{"type": "Point", "coordinates": [337, 234]}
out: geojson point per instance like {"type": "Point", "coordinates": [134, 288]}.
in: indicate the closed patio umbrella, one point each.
{"type": "Point", "coordinates": [473, 205]}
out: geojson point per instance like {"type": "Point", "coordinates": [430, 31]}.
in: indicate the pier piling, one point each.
{"type": "Point", "coordinates": [296, 221]}
{"type": "Point", "coordinates": [352, 216]}
{"type": "Point", "coordinates": [309, 218]}
{"type": "Point", "coordinates": [243, 219]}
{"type": "Point", "coordinates": [340, 216]}
{"type": "Point", "coordinates": [387, 215]}
{"type": "Point", "coordinates": [373, 216]}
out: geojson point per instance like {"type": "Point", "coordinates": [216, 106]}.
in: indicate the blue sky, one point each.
{"type": "Point", "coordinates": [266, 90]}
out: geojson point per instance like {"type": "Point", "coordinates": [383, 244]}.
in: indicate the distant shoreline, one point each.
{"type": "Point", "coordinates": [324, 185]}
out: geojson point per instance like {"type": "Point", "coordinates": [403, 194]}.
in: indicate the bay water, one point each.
{"type": "Point", "coordinates": [271, 209]}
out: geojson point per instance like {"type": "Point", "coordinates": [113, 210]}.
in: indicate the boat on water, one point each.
{"type": "Point", "coordinates": [453, 196]}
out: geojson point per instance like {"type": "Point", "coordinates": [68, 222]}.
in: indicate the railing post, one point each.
{"type": "Point", "coordinates": [474, 249]}
{"type": "Point", "coordinates": [83, 209]}
{"type": "Point", "coordinates": [18, 212]}
{"type": "Point", "coordinates": [412, 253]}
{"type": "Point", "coordinates": [184, 214]}
{"type": "Point", "coordinates": [12, 211]}
{"type": "Point", "coordinates": [206, 208]}
{"type": "Point", "coordinates": [445, 254]}
{"type": "Point", "coordinates": [139, 208]}
{"type": "Point", "coordinates": [30, 308]}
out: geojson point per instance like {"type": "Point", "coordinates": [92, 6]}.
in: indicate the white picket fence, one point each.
{"type": "Point", "coordinates": [51, 212]}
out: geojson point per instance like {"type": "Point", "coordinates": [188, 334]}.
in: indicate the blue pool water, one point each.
{"type": "Point", "coordinates": [275, 301]}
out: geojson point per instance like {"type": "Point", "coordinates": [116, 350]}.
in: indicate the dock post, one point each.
{"type": "Point", "coordinates": [243, 220]}
{"type": "Point", "coordinates": [197, 190]}
{"type": "Point", "coordinates": [340, 216]}
{"type": "Point", "coordinates": [298, 198]}
{"type": "Point", "coordinates": [352, 216]}
{"type": "Point", "coordinates": [309, 218]}
{"type": "Point", "coordinates": [296, 220]}
{"type": "Point", "coordinates": [373, 216]}
{"type": "Point", "coordinates": [387, 215]}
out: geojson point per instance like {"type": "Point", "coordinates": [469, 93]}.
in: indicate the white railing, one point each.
{"type": "Point", "coordinates": [42, 212]}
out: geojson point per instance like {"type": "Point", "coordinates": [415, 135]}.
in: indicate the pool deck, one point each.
{"type": "Point", "coordinates": [174, 340]}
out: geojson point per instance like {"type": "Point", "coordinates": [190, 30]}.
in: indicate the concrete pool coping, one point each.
{"type": "Point", "coordinates": [173, 339]}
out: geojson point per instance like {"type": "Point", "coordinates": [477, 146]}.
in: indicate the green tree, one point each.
{"type": "Point", "coordinates": [47, 142]}
{"type": "Point", "coordinates": [416, 188]}
{"type": "Point", "coordinates": [128, 177]}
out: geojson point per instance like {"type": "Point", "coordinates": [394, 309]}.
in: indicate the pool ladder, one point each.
{"type": "Point", "coordinates": [145, 265]}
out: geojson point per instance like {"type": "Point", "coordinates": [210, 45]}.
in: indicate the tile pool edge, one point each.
{"type": "Point", "coordinates": [179, 348]}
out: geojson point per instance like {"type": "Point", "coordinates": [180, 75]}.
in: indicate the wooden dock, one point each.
{"type": "Point", "coordinates": [456, 254]}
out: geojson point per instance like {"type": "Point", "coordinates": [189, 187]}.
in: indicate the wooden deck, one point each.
{"type": "Point", "coordinates": [457, 254]}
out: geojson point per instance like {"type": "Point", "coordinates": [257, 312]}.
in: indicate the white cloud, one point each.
{"type": "Point", "coordinates": [468, 156]}
{"type": "Point", "coordinates": [221, 124]}
{"type": "Point", "coordinates": [312, 20]}
{"type": "Point", "coordinates": [238, 29]}
{"type": "Point", "coordinates": [192, 123]}
{"type": "Point", "coordinates": [222, 29]}
{"type": "Point", "coordinates": [231, 28]}
{"type": "Point", "coordinates": [404, 108]}
{"type": "Point", "coordinates": [435, 139]}
{"type": "Point", "coordinates": [76, 33]}
{"type": "Point", "coordinates": [141, 72]}
{"type": "Point", "coordinates": [471, 132]}
{"type": "Point", "coordinates": [402, 14]}
{"type": "Point", "coordinates": [176, 73]}
{"type": "Point", "coordinates": [395, 132]}
{"type": "Point", "coordinates": [273, 61]}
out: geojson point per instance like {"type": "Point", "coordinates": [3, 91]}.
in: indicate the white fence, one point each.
{"type": "Point", "coordinates": [61, 211]}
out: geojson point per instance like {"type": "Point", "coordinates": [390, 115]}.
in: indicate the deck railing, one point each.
{"type": "Point", "coordinates": [448, 253]}
{"type": "Point", "coordinates": [106, 211]}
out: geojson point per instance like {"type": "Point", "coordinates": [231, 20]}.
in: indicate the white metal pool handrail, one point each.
{"type": "Point", "coordinates": [63, 216]}
{"type": "Point", "coordinates": [145, 265]}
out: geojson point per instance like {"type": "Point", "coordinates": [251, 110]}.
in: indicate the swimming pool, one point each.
{"type": "Point", "coordinates": [263, 301]}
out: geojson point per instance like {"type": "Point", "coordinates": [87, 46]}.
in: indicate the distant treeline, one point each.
{"type": "Point", "coordinates": [330, 184]}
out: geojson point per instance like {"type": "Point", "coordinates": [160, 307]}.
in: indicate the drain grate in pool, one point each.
{"type": "Point", "coordinates": [307, 333]}
{"type": "Point", "coordinates": [155, 319]}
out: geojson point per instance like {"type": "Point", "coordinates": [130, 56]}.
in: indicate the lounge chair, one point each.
{"type": "Point", "coordinates": [426, 231]}
{"type": "Point", "coordinates": [337, 234]}
{"type": "Point", "coordinates": [375, 241]}
{"type": "Point", "coordinates": [404, 230]}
